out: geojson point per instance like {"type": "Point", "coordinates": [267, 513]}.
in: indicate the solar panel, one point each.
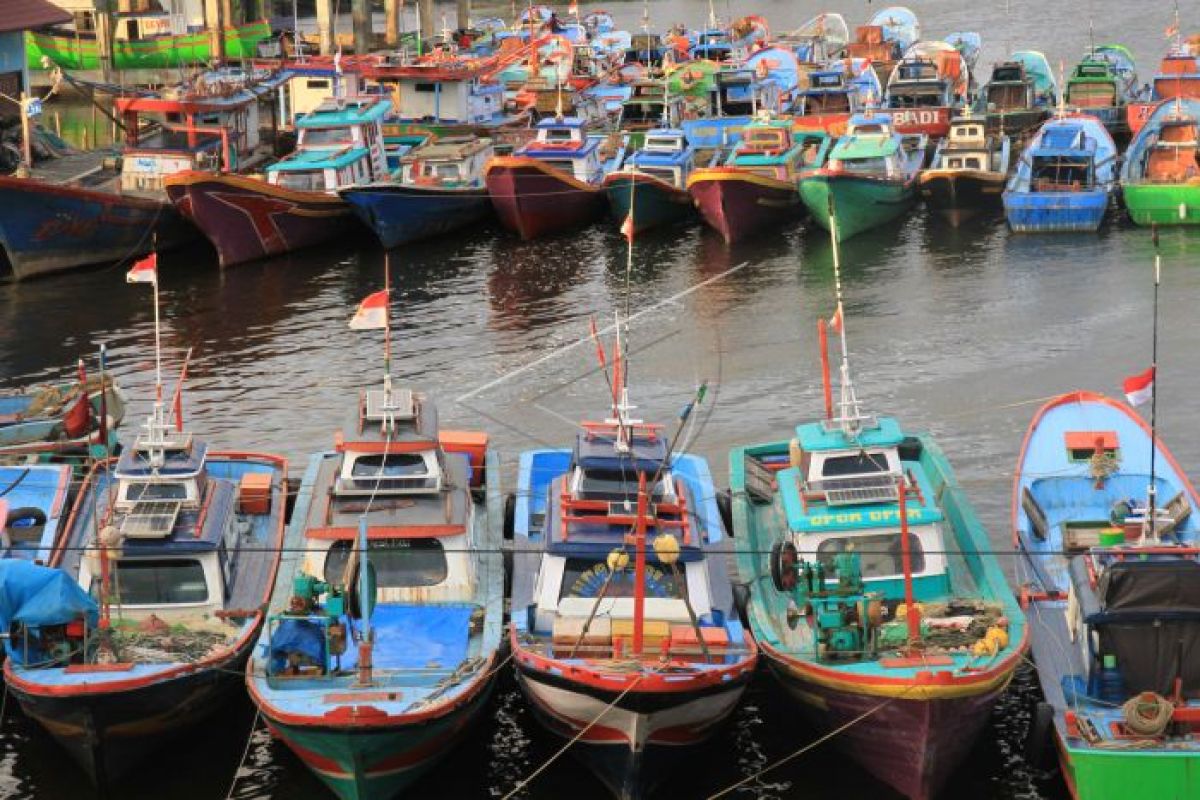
{"type": "Point", "coordinates": [151, 519]}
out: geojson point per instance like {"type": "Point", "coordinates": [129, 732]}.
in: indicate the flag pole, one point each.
{"type": "Point", "coordinates": [387, 329]}
{"type": "Point", "coordinates": [1152, 492]}
{"type": "Point", "coordinates": [157, 344]}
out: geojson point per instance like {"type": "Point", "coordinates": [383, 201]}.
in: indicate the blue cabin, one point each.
{"type": "Point", "coordinates": [665, 155]}
{"type": "Point", "coordinates": [1065, 177]}
{"type": "Point", "coordinates": [564, 144]}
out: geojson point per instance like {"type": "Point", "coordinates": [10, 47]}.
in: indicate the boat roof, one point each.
{"type": "Point", "coordinates": [308, 160]}
{"type": "Point", "coordinates": [357, 110]}
{"type": "Point", "coordinates": [817, 516]}
{"type": "Point", "coordinates": [817, 436]}
{"type": "Point", "coordinates": [178, 461]}
{"type": "Point", "coordinates": [868, 145]}
{"type": "Point", "coordinates": [596, 449]}
{"type": "Point", "coordinates": [450, 148]}
{"type": "Point", "coordinates": [562, 122]}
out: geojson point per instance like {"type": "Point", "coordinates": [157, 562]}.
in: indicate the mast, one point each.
{"type": "Point", "coordinates": [850, 416]}
{"type": "Point", "coordinates": [387, 330]}
{"type": "Point", "coordinates": [1151, 492]}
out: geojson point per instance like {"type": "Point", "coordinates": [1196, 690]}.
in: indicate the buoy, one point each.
{"type": "Point", "coordinates": [617, 560]}
{"type": "Point", "coordinates": [666, 547]}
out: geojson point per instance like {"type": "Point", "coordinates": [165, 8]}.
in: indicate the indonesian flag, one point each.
{"type": "Point", "coordinates": [1171, 30]}
{"type": "Point", "coordinates": [627, 227]}
{"type": "Point", "coordinates": [835, 322]}
{"type": "Point", "coordinates": [372, 312]}
{"type": "Point", "coordinates": [573, 8]}
{"type": "Point", "coordinates": [1139, 388]}
{"type": "Point", "coordinates": [144, 271]}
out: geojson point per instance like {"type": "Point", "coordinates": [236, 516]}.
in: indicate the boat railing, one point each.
{"type": "Point", "coordinates": [663, 516]}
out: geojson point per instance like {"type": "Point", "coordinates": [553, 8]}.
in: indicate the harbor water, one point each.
{"type": "Point", "coordinates": [960, 332]}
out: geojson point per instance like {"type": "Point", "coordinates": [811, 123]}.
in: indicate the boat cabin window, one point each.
{"type": "Point", "coordinates": [880, 554]}
{"type": "Point", "coordinates": [427, 88]}
{"type": "Point", "coordinates": [864, 166]}
{"type": "Point", "coordinates": [308, 181]}
{"type": "Point", "coordinates": [930, 100]}
{"type": "Point", "coordinates": [583, 577]}
{"type": "Point", "coordinates": [398, 563]}
{"type": "Point", "coordinates": [1007, 98]}
{"type": "Point", "coordinates": [155, 491]}
{"type": "Point", "coordinates": [149, 582]}
{"type": "Point", "coordinates": [966, 162]}
{"type": "Point", "coordinates": [857, 464]}
{"type": "Point", "coordinates": [317, 83]}
{"type": "Point", "coordinates": [1061, 174]}
{"type": "Point", "coordinates": [391, 471]}
{"type": "Point", "coordinates": [830, 103]}
{"type": "Point", "coordinates": [558, 134]}
{"type": "Point", "coordinates": [642, 112]}
{"type": "Point", "coordinates": [327, 136]}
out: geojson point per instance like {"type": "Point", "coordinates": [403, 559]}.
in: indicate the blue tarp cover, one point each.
{"type": "Point", "coordinates": [34, 595]}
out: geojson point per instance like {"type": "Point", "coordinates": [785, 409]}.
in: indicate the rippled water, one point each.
{"type": "Point", "coordinates": [961, 332]}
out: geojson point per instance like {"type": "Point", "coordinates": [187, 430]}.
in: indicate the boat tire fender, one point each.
{"type": "Point", "coordinates": [783, 566]}
{"type": "Point", "coordinates": [27, 519]}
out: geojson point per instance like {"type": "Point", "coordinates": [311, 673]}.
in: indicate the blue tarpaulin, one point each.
{"type": "Point", "coordinates": [34, 596]}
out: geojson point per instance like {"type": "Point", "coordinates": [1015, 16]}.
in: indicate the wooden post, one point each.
{"type": "Point", "coordinates": [463, 7]}
{"type": "Point", "coordinates": [360, 11]}
{"type": "Point", "coordinates": [325, 25]}
{"type": "Point", "coordinates": [214, 20]}
{"type": "Point", "coordinates": [391, 17]}
{"type": "Point", "coordinates": [425, 7]}
{"type": "Point", "coordinates": [912, 615]}
{"type": "Point", "coordinates": [26, 135]}
{"type": "Point", "coordinates": [102, 18]}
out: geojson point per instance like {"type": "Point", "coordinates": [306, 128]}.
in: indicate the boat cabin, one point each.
{"type": "Point", "coordinates": [870, 43]}
{"type": "Point", "coordinates": [172, 530]}
{"type": "Point", "coordinates": [1172, 156]}
{"type": "Point", "coordinates": [1063, 160]}
{"type": "Point", "coordinates": [1092, 84]}
{"type": "Point", "coordinates": [828, 92]}
{"type": "Point", "coordinates": [447, 92]}
{"type": "Point", "coordinates": [453, 162]}
{"type": "Point", "coordinates": [665, 155]}
{"type": "Point", "coordinates": [739, 92]}
{"type": "Point", "coordinates": [772, 149]}
{"type": "Point", "coordinates": [922, 83]}
{"type": "Point", "coordinates": [340, 143]}
{"type": "Point", "coordinates": [869, 147]}
{"type": "Point", "coordinates": [968, 146]}
{"type": "Point", "coordinates": [841, 494]}
{"type": "Point", "coordinates": [565, 145]}
{"type": "Point", "coordinates": [1178, 76]}
{"type": "Point", "coordinates": [648, 107]}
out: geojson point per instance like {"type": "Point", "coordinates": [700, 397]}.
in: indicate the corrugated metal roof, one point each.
{"type": "Point", "coordinates": [24, 15]}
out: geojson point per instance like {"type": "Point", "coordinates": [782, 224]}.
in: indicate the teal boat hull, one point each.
{"type": "Point", "coordinates": [860, 202]}
{"type": "Point", "coordinates": [654, 203]}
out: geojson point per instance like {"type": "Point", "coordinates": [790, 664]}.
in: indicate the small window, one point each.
{"type": "Point", "coordinates": [398, 563]}
{"type": "Point", "coordinates": [393, 465]}
{"type": "Point", "coordinates": [428, 88]}
{"type": "Point", "coordinates": [559, 135]}
{"type": "Point", "coordinates": [856, 464]}
{"type": "Point", "coordinates": [158, 581]}
{"type": "Point", "coordinates": [302, 181]}
{"type": "Point", "coordinates": [954, 163]}
{"type": "Point", "coordinates": [880, 555]}
{"type": "Point", "coordinates": [973, 163]}
{"type": "Point", "coordinates": [156, 491]}
{"type": "Point", "coordinates": [312, 83]}
{"type": "Point", "coordinates": [583, 577]}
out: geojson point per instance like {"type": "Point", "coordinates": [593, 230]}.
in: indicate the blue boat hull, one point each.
{"type": "Point", "coordinates": [402, 214]}
{"type": "Point", "coordinates": [1042, 212]}
{"type": "Point", "coordinates": [46, 228]}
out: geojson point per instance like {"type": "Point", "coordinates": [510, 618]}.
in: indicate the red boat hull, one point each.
{"type": "Point", "coordinates": [737, 204]}
{"type": "Point", "coordinates": [248, 219]}
{"type": "Point", "coordinates": [532, 199]}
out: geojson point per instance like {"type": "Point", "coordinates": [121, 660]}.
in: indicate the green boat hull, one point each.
{"type": "Point", "coordinates": [164, 52]}
{"type": "Point", "coordinates": [1121, 775]}
{"type": "Point", "coordinates": [656, 203]}
{"type": "Point", "coordinates": [1163, 204]}
{"type": "Point", "coordinates": [861, 203]}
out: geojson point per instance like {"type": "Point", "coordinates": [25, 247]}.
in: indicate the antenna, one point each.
{"type": "Point", "coordinates": [850, 418]}
{"type": "Point", "coordinates": [1151, 492]}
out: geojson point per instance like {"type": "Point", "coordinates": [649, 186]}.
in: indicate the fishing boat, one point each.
{"type": "Point", "coordinates": [1178, 76]}
{"type": "Point", "coordinates": [835, 93]}
{"type": "Point", "coordinates": [553, 183]}
{"type": "Point", "coordinates": [648, 106]}
{"type": "Point", "coordinates": [873, 593]}
{"type": "Point", "coordinates": [970, 168]}
{"type": "Point", "coordinates": [1065, 178]}
{"type": "Point", "coordinates": [755, 188]}
{"type": "Point", "coordinates": [153, 40]}
{"type": "Point", "coordinates": [1102, 84]}
{"type": "Point", "coordinates": [383, 642]}
{"type": "Point", "coordinates": [440, 189]}
{"type": "Point", "coordinates": [926, 88]}
{"type": "Point", "coordinates": [443, 94]}
{"type": "Point", "coordinates": [61, 421]}
{"type": "Point", "coordinates": [33, 504]}
{"type": "Point", "coordinates": [295, 205]}
{"type": "Point", "coordinates": [103, 206]}
{"type": "Point", "coordinates": [179, 545]}
{"type": "Point", "coordinates": [624, 633]}
{"type": "Point", "coordinates": [1020, 94]}
{"type": "Point", "coordinates": [1160, 176]}
{"type": "Point", "coordinates": [651, 188]}
{"type": "Point", "coordinates": [870, 176]}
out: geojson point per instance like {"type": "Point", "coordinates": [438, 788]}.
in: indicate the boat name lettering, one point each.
{"type": "Point", "coordinates": [854, 517]}
{"type": "Point", "coordinates": [913, 116]}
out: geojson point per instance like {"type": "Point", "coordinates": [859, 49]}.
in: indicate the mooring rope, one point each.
{"type": "Point", "coordinates": [242, 762]}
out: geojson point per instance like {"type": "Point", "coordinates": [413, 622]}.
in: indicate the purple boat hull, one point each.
{"type": "Point", "coordinates": [248, 219]}
{"type": "Point", "coordinates": [911, 745]}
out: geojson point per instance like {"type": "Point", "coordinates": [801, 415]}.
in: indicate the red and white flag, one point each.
{"type": "Point", "coordinates": [627, 227]}
{"type": "Point", "coordinates": [835, 322]}
{"type": "Point", "coordinates": [573, 8]}
{"type": "Point", "coordinates": [1139, 388]}
{"type": "Point", "coordinates": [144, 271]}
{"type": "Point", "coordinates": [1171, 30]}
{"type": "Point", "coordinates": [372, 312]}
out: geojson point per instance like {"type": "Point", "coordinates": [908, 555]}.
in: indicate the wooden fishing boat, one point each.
{"type": "Point", "coordinates": [181, 546]}
{"type": "Point", "coordinates": [970, 168]}
{"type": "Point", "coordinates": [440, 189]}
{"type": "Point", "coordinates": [141, 41]}
{"type": "Point", "coordinates": [1020, 94]}
{"type": "Point", "coordinates": [1111, 599]}
{"type": "Point", "coordinates": [552, 184]}
{"type": "Point", "coordinates": [873, 593]}
{"type": "Point", "coordinates": [1065, 179]}
{"type": "Point", "coordinates": [651, 187]}
{"type": "Point", "coordinates": [92, 208]}
{"type": "Point", "coordinates": [383, 645]}
{"type": "Point", "coordinates": [1178, 76]}
{"type": "Point", "coordinates": [296, 204]}
{"type": "Point", "coordinates": [835, 93]}
{"type": "Point", "coordinates": [1160, 176]}
{"type": "Point", "coordinates": [61, 421]}
{"type": "Point", "coordinates": [927, 88]}
{"type": "Point", "coordinates": [870, 177]}
{"type": "Point", "coordinates": [33, 503]}
{"type": "Point", "coordinates": [624, 633]}
{"type": "Point", "coordinates": [755, 188]}
{"type": "Point", "coordinates": [1102, 84]}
